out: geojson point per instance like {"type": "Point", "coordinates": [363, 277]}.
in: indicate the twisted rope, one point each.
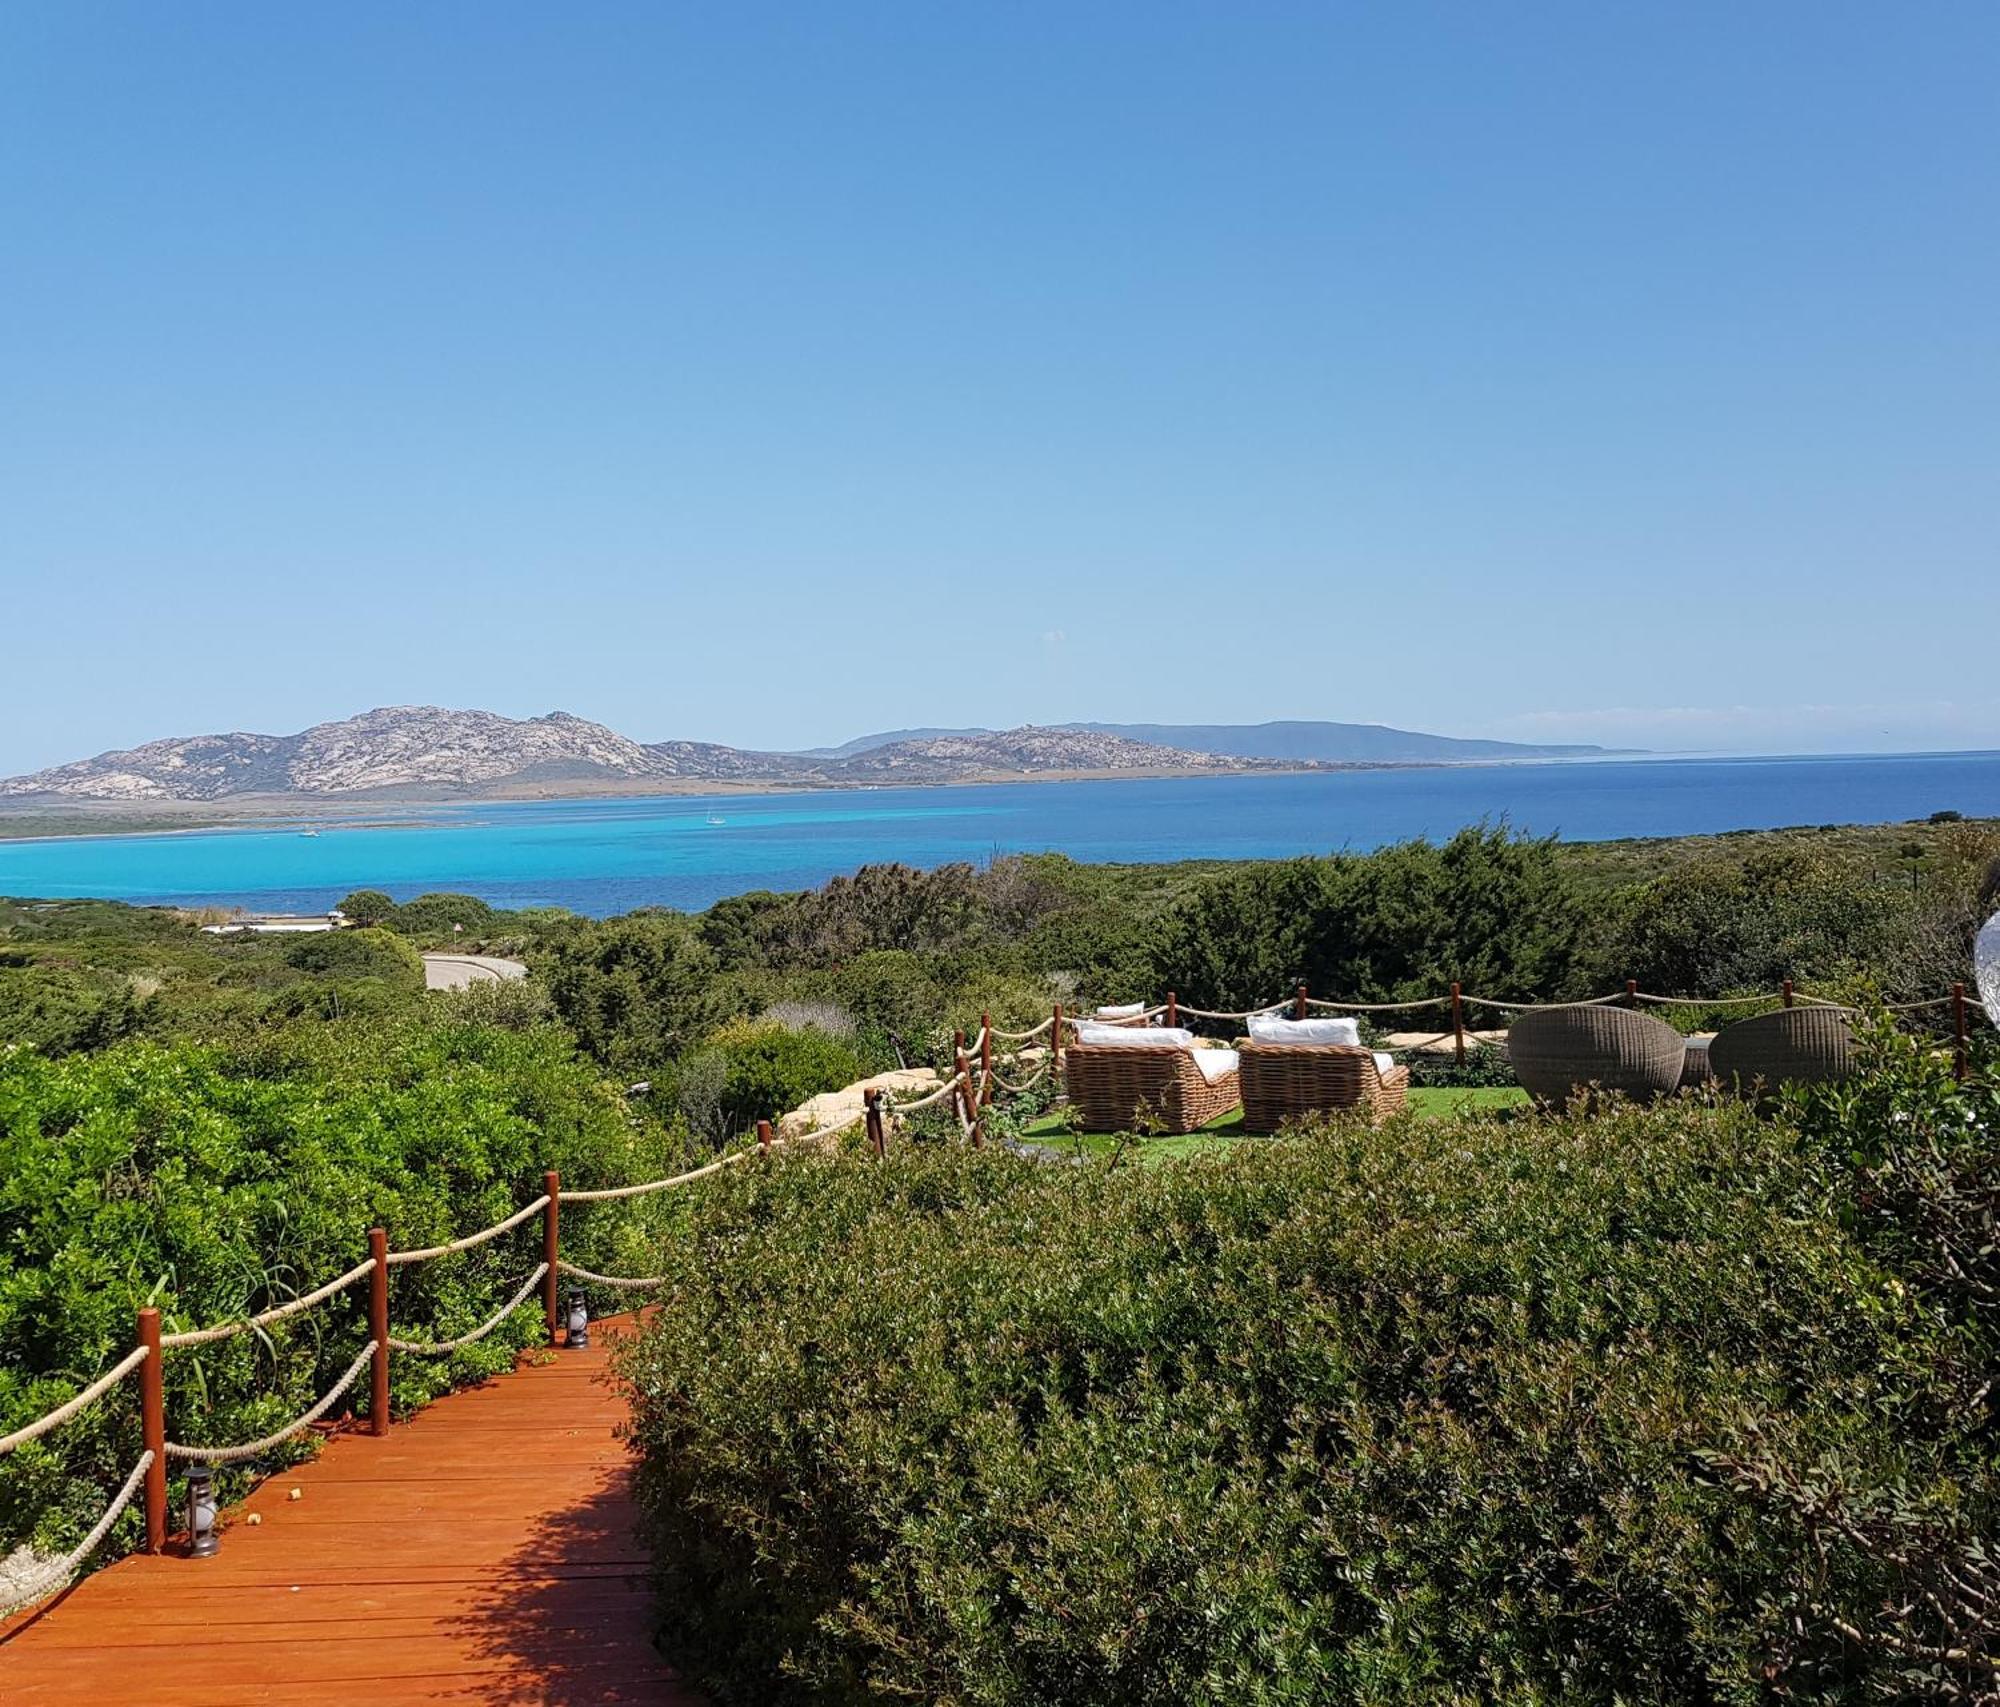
{"type": "Point", "coordinates": [56, 1574]}
{"type": "Point", "coordinates": [438, 1348]}
{"type": "Point", "coordinates": [1025, 1036]}
{"type": "Point", "coordinates": [623, 1282]}
{"type": "Point", "coordinates": [1699, 1002]}
{"type": "Point", "coordinates": [937, 1096]}
{"type": "Point", "coordinates": [1027, 1084]}
{"type": "Point", "coordinates": [63, 1412]}
{"type": "Point", "coordinates": [607, 1193]}
{"type": "Point", "coordinates": [1421, 1044]}
{"type": "Point", "coordinates": [1542, 1007]}
{"type": "Point", "coordinates": [298, 1306]}
{"type": "Point", "coordinates": [1379, 1007]}
{"type": "Point", "coordinates": [257, 1448]}
{"type": "Point", "coordinates": [396, 1258]}
{"type": "Point", "coordinates": [1252, 1013]}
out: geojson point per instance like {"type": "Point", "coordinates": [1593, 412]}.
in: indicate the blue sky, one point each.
{"type": "Point", "coordinates": [768, 374]}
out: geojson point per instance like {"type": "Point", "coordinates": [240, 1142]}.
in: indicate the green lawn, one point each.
{"type": "Point", "coordinates": [1425, 1104]}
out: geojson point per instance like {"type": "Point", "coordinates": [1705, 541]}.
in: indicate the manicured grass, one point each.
{"type": "Point", "coordinates": [1228, 1129]}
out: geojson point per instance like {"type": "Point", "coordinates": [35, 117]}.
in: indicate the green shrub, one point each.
{"type": "Point", "coordinates": [367, 953]}
{"type": "Point", "coordinates": [439, 919]}
{"type": "Point", "coordinates": [368, 907]}
{"type": "Point", "coordinates": [1446, 1412]}
{"type": "Point", "coordinates": [216, 1183]}
{"type": "Point", "coordinates": [769, 1069]}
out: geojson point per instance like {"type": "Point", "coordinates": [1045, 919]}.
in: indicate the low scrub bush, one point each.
{"type": "Point", "coordinates": [1551, 1410]}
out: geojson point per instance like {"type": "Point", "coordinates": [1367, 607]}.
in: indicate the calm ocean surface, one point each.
{"type": "Point", "coordinates": [608, 856]}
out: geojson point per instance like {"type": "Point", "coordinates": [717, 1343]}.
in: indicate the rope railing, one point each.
{"type": "Point", "coordinates": [69, 1408]}
{"type": "Point", "coordinates": [55, 1575]}
{"type": "Point", "coordinates": [623, 1282]}
{"type": "Point", "coordinates": [396, 1259]}
{"type": "Point", "coordinates": [609, 1194]}
{"type": "Point", "coordinates": [282, 1312]}
{"type": "Point", "coordinates": [298, 1425]}
{"type": "Point", "coordinates": [441, 1348]}
{"type": "Point", "coordinates": [1027, 1036]}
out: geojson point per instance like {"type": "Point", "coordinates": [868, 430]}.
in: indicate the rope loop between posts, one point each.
{"type": "Point", "coordinates": [440, 1348]}
{"type": "Point", "coordinates": [1027, 1036]}
{"type": "Point", "coordinates": [257, 1448]}
{"type": "Point", "coordinates": [398, 1258]}
{"type": "Point", "coordinates": [295, 1307]}
{"type": "Point", "coordinates": [70, 1407]}
{"type": "Point", "coordinates": [44, 1580]}
{"type": "Point", "coordinates": [607, 1193]}
{"type": "Point", "coordinates": [625, 1283]}
{"type": "Point", "coordinates": [1378, 1007]}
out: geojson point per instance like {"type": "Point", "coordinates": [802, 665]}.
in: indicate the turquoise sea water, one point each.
{"type": "Point", "coordinates": [608, 856]}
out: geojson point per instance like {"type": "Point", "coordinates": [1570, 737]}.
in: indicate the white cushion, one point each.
{"type": "Point", "coordinates": [1136, 1036]}
{"type": "Point", "coordinates": [1131, 1010]}
{"type": "Point", "coordinates": [1268, 1028]}
{"type": "Point", "coordinates": [1215, 1063]}
{"type": "Point", "coordinates": [1383, 1062]}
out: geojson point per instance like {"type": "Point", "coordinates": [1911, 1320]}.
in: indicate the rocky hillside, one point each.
{"type": "Point", "coordinates": [426, 751]}
{"type": "Point", "coordinates": [1031, 750]}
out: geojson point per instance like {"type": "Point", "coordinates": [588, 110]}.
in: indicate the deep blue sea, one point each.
{"type": "Point", "coordinates": [609, 856]}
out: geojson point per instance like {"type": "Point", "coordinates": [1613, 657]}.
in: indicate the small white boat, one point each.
{"type": "Point", "coordinates": [715, 820]}
{"type": "Point", "coordinates": [309, 832]}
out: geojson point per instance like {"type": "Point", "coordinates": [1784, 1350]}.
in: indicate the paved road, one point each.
{"type": "Point", "coordinates": [455, 971]}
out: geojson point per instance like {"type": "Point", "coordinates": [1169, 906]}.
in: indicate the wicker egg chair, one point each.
{"type": "Point", "coordinates": [1558, 1052]}
{"type": "Point", "coordinates": [1794, 1046]}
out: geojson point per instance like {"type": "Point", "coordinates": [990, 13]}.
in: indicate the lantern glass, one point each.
{"type": "Point", "coordinates": [202, 1538]}
{"type": "Point", "coordinates": [578, 1321]}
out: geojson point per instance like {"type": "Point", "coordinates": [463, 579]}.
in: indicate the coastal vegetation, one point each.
{"type": "Point", "coordinates": [1760, 1335]}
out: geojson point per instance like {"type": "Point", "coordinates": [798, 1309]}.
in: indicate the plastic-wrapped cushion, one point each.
{"type": "Point", "coordinates": [1215, 1064]}
{"type": "Point", "coordinates": [1129, 1010]}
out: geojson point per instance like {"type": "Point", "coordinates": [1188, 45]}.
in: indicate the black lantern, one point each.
{"type": "Point", "coordinates": [203, 1542]}
{"type": "Point", "coordinates": [578, 1322]}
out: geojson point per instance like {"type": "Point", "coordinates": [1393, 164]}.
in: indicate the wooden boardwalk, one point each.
{"type": "Point", "coordinates": [482, 1552]}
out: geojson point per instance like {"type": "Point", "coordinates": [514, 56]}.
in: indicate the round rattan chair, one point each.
{"type": "Point", "coordinates": [1794, 1046]}
{"type": "Point", "coordinates": [1558, 1052]}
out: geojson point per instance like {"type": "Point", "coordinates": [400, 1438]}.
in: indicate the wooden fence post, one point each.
{"type": "Point", "coordinates": [1299, 1003]}
{"type": "Point", "coordinates": [1458, 1025]}
{"type": "Point", "coordinates": [1055, 1039]}
{"type": "Point", "coordinates": [1962, 1043]}
{"type": "Point", "coordinates": [1631, 992]}
{"type": "Point", "coordinates": [551, 1217]}
{"type": "Point", "coordinates": [763, 1137]}
{"type": "Point", "coordinates": [966, 1099]}
{"type": "Point", "coordinates": [1788, 992]}
{"type": "Point", "coordinates": [1173, 1010]}
{"type": "Point", "coordinates": [378, 1331]}
{"type": "Point", "coordinates": [872, 1100]}
{"type": "Point", "coordinates": [985, 1059]}
{"type": "Point", "coordinates": [153, 1429]}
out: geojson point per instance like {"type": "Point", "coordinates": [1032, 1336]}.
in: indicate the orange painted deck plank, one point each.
{"type": "Point", "coordinates": [483, 1552]}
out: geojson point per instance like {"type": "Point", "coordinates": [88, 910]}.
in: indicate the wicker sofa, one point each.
{"type": "Point", "coordinates": [1117, 1087]}
{"type": "Point", "coordinates": [1794, 1046]}
{"type": "Point", "coordinates": [1557, 1052]}
{"type": "Point", "coordinates": [1284, 1080]}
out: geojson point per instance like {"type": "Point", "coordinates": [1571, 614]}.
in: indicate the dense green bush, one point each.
{"type": "Point", "coordinates": [1447, 1412]}
{"type": "Point", "coordinates": [1493, 910]}
{"type": "Point", "coordinates": [771, 1069]}
{"type": "Point", "coordinates": [366, 953]}
{"type": "Point", "coordinates": [217, 1183]}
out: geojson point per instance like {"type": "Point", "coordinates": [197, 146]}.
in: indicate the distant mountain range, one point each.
{"type": "Point", "coordinates": [1292, 742]}
{"type": "Point", "coordinates": [428, 752]}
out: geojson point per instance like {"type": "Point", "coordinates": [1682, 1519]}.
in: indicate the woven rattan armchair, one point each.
{"type": "Point", "coordinates": [1284, 1080]}
{"type": "Point", "coordinates": [1117, 1087]}
{"type": "Point", "coordinates": [1557, 1052]}
{"type": "Point", "coordinates": [1794, 1046]}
